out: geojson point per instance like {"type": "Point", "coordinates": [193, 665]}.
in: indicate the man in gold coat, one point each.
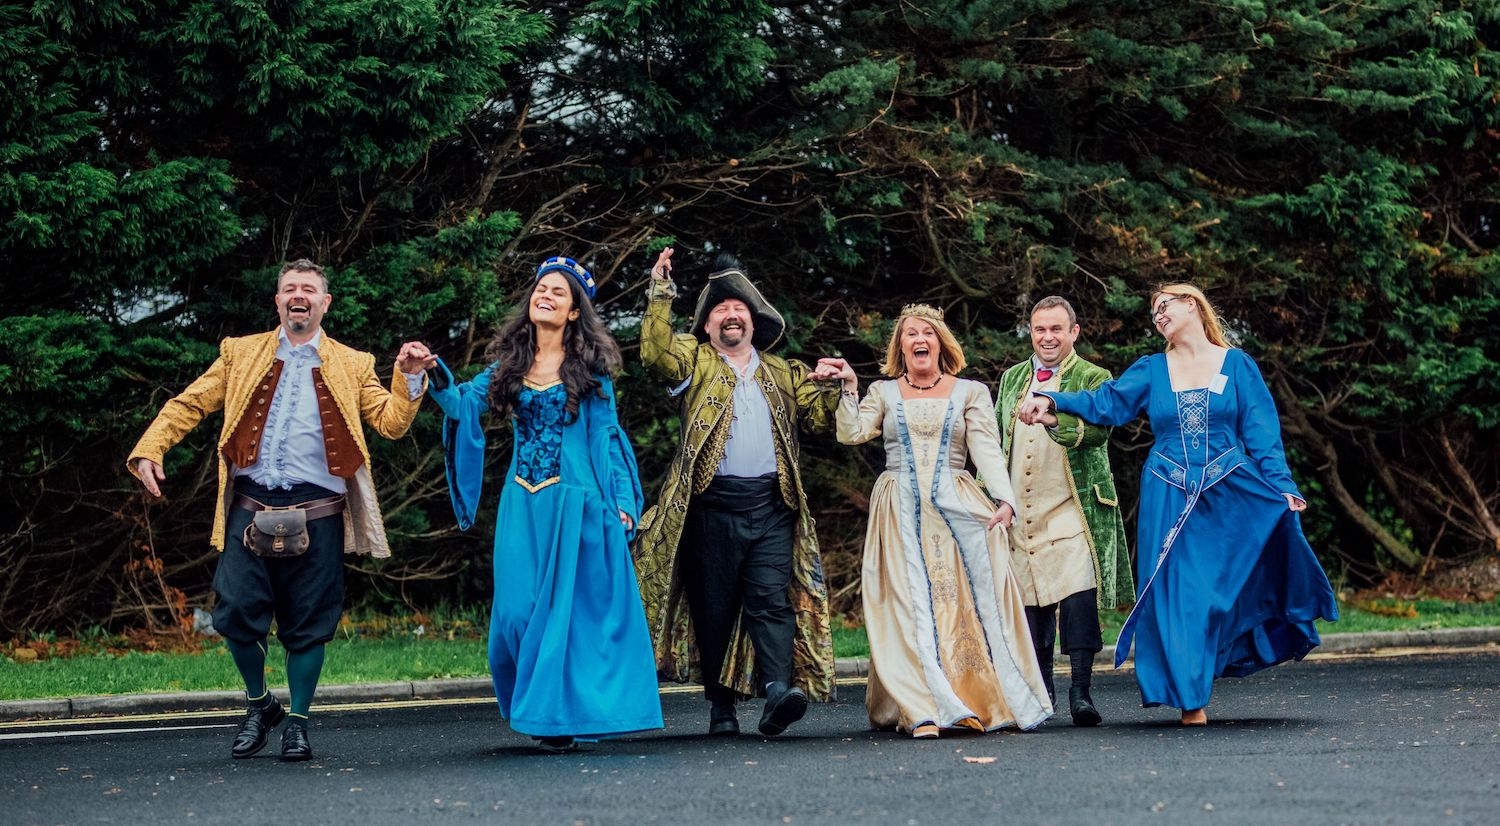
{"type": "Point", "coordinates": [292, 453]}
{"type": "Point", "coordinates": [727, 559]}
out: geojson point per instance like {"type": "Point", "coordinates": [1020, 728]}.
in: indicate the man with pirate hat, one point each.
{"type": "Point", "coordinates": [727, 559]}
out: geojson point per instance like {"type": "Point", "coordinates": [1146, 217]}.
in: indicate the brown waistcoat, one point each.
{"type": "Point", "coordinates": [343, 455]}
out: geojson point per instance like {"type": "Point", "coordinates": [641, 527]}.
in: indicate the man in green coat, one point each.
{"type": "Point", "coordinates": [727, 559]}
{"type": "Point", "coordinates": [1068, 540]}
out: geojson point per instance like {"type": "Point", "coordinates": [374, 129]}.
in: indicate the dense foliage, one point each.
{"type": "Point", "coordinates": [1325, 170]}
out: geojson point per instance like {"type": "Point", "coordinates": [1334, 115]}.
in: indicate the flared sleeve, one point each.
{"type": "Point", "coordinates": [1260, 427]}
{"type": "Point", "coordinates": [613, 457]}
{"type": "Point", "coordinates": [463, 407]}
{"type": "Point", "coordinates": [1115, 402]}
{"type": "Point", "coordinates": [982, 440]}
{"type": "Point", "coordinates": [859, 422]}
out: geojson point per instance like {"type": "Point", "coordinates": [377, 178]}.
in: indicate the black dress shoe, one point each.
{"type": "Point", "coordinates": [784, 705]}
{"type": "Point", "coordinates": [1081, 705]}
{"type": "Point", "coordinates": [256, 729]}
{"type": "Point", "coordinates": [294, 745]}
{"type": "Point", "coordinates": [722, 721]}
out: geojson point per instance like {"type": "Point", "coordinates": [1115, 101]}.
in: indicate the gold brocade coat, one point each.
{"type": "Point", "coordinates": [230, 384]}
{"type": "Point", "coordinates": [707, 408]}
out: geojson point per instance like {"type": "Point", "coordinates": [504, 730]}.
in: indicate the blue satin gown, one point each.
{"type": "Point", "coordinates": [1228, 583]}
{"type": "Point", "coordinates": [569, 650]}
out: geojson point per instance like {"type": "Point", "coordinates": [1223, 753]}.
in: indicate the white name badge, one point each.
{"type": "Point", "coordinates": [1218, 384]}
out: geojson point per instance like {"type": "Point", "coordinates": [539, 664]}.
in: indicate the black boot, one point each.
{"type": "Point", "coordinates": [1044, 659]}
{"type": "Point", "coordinates": [722, 721]}
{"type": "Point", "coordinates": [784, 705]}
{"type": "Point", "coordinates": [253, 733]}
{"type": "Point", "coordinates": [1080, 702]}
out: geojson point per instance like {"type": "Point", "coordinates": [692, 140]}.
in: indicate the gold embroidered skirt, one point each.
{"type": "Point", "coordinates": [948, 638]}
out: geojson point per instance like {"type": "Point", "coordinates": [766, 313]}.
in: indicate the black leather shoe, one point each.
{"type": "Point", "coordinates": [784, 705]}
{"type": "Point", "coordinates": [1081, 705]}
{"type": "Point", "coordinates": [256, 729]}
{"type": "Point", "coordinates": [722, 721]}
{"type": "Point", "coordinates": [294, 745]}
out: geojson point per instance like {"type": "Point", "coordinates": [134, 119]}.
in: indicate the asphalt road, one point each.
{"type": "Point", "coordinates": [1410, 739]}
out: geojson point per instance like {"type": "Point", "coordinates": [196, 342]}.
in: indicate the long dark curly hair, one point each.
{"type": "Point", "coordinates": [588, 351]}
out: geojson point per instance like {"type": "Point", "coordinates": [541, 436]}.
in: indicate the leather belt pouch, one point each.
{"type": "Point", "coordinates": [278, 532]}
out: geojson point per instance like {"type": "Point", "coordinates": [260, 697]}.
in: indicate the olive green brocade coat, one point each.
{"type": "Point", "coordinates": [706, 407]}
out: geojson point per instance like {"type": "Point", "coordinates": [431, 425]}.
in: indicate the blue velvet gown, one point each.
{"type": "Point", "coordinates": [569, 650]}
{"type": "Point", "coordinates": [1228, 583]}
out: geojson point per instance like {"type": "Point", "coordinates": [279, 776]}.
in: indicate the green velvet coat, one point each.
{"type": "Point", "coordinates": [1087, 447]}
{"type": "Point", "coordinates": [707, 408]}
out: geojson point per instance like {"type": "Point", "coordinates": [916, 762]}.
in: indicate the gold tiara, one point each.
{"type": "Point", "coordinates": [922, 311]}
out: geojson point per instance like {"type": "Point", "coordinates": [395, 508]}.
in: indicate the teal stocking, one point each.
{"type": "Point", "coordinates": [250, 659]}
{"type": "Point", "coordinates": [302, 670]}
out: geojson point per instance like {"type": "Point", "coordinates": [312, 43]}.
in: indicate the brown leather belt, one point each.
{"type": "Point", "coordinates": [316, 509]}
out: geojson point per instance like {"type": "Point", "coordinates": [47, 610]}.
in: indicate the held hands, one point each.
{"type": "Point", "coordinates": [1003, 516]}
{"type": "Point", "coordinates": [414, 358]}
{"type": "Point", "coordinates": [150, 473]}
{"type": "Point", "coordinates": [1294, 504]}
{"type": "Point", "coordinates": [1036, 410]}
{"type": "Point", "coordinates": [662, 269]}
{"type": "Point", "coordinates": [836, 369]}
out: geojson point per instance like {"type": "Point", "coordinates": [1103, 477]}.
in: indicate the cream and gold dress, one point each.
{"type": "Point", "coordinates": [947, 626]}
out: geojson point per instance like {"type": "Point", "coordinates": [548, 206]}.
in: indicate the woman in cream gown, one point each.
{"type": "Point", "coordinates": [949, 647]}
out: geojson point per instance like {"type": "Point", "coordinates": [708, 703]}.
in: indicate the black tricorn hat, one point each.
{"type": "Point", "coordinates": [729, 281]}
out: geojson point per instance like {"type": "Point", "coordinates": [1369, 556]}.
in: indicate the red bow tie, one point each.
{"type": "Point", "coordinates": [1044, 374]}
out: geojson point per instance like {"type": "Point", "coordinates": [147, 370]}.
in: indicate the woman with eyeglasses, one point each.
{"type": "Point", "coordinates": [1228, 584]}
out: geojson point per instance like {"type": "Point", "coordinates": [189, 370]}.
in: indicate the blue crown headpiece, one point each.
{"type": "Point", "coordinates": [567, 265]}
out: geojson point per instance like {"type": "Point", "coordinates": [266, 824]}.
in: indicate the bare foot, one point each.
{"type": "Point", "coordinates": [926, 731]}
{"type": "Point", "coordinates": [1196, 717]}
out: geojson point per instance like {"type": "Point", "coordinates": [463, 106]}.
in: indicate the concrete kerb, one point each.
{"type": "Point", "coordinates": [476, 687]}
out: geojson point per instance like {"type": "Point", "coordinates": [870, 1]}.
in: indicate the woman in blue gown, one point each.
{"type": "Point", "coordinates": [1228, 583]}
{"type": "Point", "coordinates": [569, 651]}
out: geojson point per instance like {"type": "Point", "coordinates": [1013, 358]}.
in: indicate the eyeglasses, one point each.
{"type": "Point", "coordinates": [1161, 306]}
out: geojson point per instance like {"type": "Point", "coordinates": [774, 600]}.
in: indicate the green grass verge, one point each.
{"type": "Point", "coordinates": [404, 656]}
{"type": "Point", "coordinates": [357, 660]}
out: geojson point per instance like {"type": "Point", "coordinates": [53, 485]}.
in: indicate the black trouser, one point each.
{"type": "Point", "coordinates": [305, 594]}
{"type": "Point", "coordinates": [736, 553]}
{"type": "Point", "coordinates": [1078, 616]}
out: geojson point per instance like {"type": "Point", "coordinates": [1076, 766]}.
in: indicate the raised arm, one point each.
{"type": "Point", "coordinates": [860, 421]}
{"type": "Point", "coordinates": [390, 409]}
{"type": "Point", "coordinates": [1072, 431]}
{"type": "Point", "coordinates": [463, 406]}
{"type": "Point", "coordinates": [666, 353]}
{"type": "Point", "coordinates": [1114, 402]}
{"type": "Point", "coordinates": [450, 394]}
{"type": "Point", "coordinates": [816, 401]}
